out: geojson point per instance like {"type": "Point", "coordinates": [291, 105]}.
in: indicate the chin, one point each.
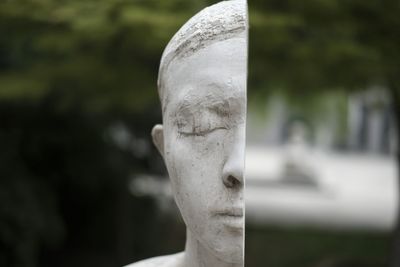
{"type": "Point", "coordinates": [230, 251]}
{"type": "Point", "coordinates": [231, 255]}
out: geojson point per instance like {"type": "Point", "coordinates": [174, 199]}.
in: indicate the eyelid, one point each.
{"type": "Point", "coordinates": [202, 133]}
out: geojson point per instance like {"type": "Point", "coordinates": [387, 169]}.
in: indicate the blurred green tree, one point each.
{"type": "Point", "coordinates": [324, 44]}
{"type": "Point", "coordinates": [102, 54]}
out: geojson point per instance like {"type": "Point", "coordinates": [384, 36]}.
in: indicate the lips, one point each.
{"type": "Point", "coordinates": [231, 218]}
{"type": "Point", "coordinates": [230, 212]}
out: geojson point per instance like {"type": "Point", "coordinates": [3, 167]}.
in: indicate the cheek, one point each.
{"type": "Point", "coordinates": [196, 152]}
{"type": "Point", "coordinates": [195, 166]}
{"type": "Point", "coordinates": [195, 155]}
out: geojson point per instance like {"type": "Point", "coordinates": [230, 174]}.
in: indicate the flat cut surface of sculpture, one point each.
{"type": "Point", "coordinates": [202, 88]}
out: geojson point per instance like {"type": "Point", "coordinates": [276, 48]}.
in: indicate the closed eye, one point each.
{"type": "Point", "coordinates": [202, 133]}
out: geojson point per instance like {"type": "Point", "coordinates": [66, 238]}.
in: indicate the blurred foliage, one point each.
{"type": "Point", "coordinates": [64, 186]}
{"type": "Point", "coordinates": [103, 54]}
{"type": "Point", "coordinates": [308, 46]}
{"type": "Point", "coordinates": [106, 53]}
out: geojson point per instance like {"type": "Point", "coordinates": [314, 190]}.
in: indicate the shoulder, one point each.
{"type": "Point", "coordinates": [162, 261]}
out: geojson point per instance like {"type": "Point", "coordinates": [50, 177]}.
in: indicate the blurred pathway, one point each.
{"type": "Point", "coordinates": [351, 191]}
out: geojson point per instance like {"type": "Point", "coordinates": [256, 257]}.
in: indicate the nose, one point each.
{"type": "Point", "coordinates": [233, 171]}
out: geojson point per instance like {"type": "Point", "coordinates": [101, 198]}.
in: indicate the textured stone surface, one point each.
{"type": "Point", "coordinates": [219, 22]}
{"type": "Point", "coordinates": [202, 85]}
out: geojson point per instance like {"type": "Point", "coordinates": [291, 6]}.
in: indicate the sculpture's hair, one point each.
{"type": "Point", "coordinates": [219, 22]}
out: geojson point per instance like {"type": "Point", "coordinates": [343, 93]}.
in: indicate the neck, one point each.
{"type": "Point", "coordinates": [196, 255]}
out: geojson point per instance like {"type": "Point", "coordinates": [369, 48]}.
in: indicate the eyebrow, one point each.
{"type": "Point", "coordinates": [218, 100]}
{"type": "Point", "coordinates": [213, 103]}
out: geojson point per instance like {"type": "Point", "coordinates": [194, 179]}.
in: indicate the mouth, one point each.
{"type": "Point", "coordinates": [231, 218]}
{"type": "Point", "coordinates": [233, 212]}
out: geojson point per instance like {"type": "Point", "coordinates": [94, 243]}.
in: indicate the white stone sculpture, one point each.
{"type": "Point", "coordinates": [202, 88]}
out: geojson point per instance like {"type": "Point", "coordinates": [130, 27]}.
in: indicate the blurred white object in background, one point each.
{"type": "Point", "coordinates": [350, 191]}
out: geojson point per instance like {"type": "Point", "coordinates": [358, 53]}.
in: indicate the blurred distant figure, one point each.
{"type": "Point", "coordinates": [297, 167]}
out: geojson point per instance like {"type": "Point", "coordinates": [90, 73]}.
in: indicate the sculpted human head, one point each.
{"type": "Point", "coordinates": [202, 87]}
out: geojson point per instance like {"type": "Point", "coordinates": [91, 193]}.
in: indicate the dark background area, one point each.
{"type": "Point", "coordinates": [71, 72]}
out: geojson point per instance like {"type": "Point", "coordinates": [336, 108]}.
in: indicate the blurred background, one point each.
{"type": "Point", "coordinates": [82, 185]}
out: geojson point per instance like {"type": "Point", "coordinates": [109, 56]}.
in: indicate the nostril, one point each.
{"type": "Point", "coordinates": [231, 182]}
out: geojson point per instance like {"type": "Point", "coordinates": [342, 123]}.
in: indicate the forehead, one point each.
{"type": "Point", "coordinates": [223, 102]}
{"type": "Point", "coordinates": [216, 72]}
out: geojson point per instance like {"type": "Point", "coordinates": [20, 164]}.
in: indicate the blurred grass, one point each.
{"type": "Point", "coordinates": [280, 247]}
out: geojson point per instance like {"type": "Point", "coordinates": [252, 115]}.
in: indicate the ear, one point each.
{"type": "Point", "coordinates": [158, 138]}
